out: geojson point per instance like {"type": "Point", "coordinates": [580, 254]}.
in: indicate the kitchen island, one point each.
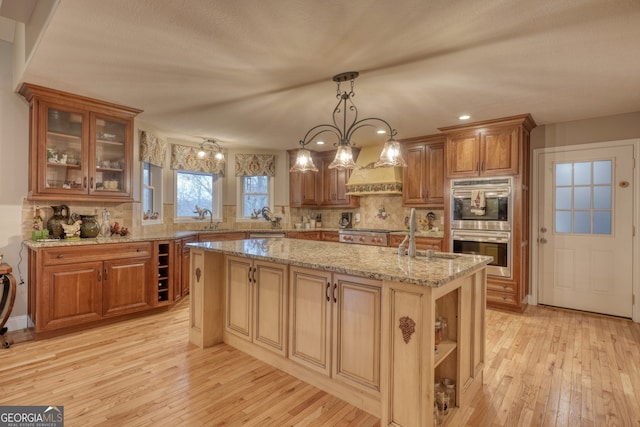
{"type": "Point", "coordinates": [356, 321]}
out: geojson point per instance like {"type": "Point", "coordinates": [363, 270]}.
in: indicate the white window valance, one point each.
{"type": "Point", "coordinates": [186, 158]}
{"type": "Point", "coordinates": [255, 165]}
{"type": "Point", "coordinates": [153, 149]}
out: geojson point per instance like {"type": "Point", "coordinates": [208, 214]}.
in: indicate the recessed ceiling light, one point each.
{"type": "Point", "coordinates": [464, 117]}
{"type": "Point", "coordinates": [320, 142]}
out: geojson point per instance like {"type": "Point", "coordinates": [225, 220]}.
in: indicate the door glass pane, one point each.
{"type": "Point", "coordinates": [582, 173]}
{"type": "Point", "coordinates": [64, 149]}
{"type": "Point", "coordinates": [582, 198]}
{"type": "Point", "coordinates": [602, 172]}
{"type": "Point", "coordinates": [563, 173]}
{"type": "Point", "coordinates": [602, 222]}
{"type": "Point", "coordinates": [589, 210]}
{"type": "Point", "coordinates": [563, 198]}
{"type": "Point", "coordinates": [602, 197]}
{"type": "Point", "coordinates": [582, 222]}
{"type": "Point", "coordinates": [110, 140]}
{"type": "Point", "coordinates": [563, 222]}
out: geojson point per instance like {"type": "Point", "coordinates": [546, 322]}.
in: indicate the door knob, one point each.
{"type": "Point", "coordinates": [542, 240]}
{"type": "Point", "coordinates": [543, 230]}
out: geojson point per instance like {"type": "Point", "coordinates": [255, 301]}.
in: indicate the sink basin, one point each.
{"type": "Point", "coordinates": [435, 254]}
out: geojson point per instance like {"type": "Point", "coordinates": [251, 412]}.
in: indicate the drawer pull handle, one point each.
{"type": "Point", "coordinates": [334, 292]}
{"type": "Point", "coordinates": [138, 250]}
{"type": "Point", "coordinates": [326, 292]}
{"type": "Point", "coordinates": [504, 286]}
{"type": "Point", "coordinates": [60, 256]}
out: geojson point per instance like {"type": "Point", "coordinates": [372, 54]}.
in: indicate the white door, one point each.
{"type": "Point", "coordinates": [585, 229]}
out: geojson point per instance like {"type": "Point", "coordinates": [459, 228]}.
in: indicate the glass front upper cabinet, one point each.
{"type": "Point", "coordinates": [81, 148]}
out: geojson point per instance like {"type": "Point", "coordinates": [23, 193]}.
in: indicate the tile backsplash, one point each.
{"type": "Point", "coordinates": [377, 212]}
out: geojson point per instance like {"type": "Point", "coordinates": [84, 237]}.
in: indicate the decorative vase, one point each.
{"type": "Point", "coordinates": [89, 226]}
{"type": "Point", "coordinates": [54, 225]}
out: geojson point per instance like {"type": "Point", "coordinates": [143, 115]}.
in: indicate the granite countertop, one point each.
{"type": "Point", "coordinates": [374, 262]}
{"type": "Point", "coordinates": [34, 244]}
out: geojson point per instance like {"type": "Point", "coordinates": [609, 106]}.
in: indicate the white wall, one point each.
{"type": "Point", "coordinates": [599, 129]}
{"type": "Point", "coordinates": [14, 151]}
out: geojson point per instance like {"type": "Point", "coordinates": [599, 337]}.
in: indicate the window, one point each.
{"type": "Point", "coordinates": [151, 193]}
{"type": "Point", "coordinates": [197, 189]}
{"type": "Point", "coordinates": [255, 192]}
{"type": "Point", "coordinates": [583, 197]}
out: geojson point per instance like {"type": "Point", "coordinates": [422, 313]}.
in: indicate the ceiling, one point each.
{"type": "Point", "coordinates": [258, 73]}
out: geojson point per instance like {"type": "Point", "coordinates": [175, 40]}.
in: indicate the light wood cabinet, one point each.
{"type": "Point", "coordinates": [182, 270]}
{"type": "Point", "coordinates": [327, 187]}
{"type": "Point", "coordinates": [423, 178]}
{"type": "Point", "coordinates": [422, 243]}
{"type": "Point", "coordinates": [68, 295]}
{"type": "Point", "coordinates": [80, 148]}
{"type": "Point", "coordinates": [330, 236]}
{"type": "Point", "coordinates": [497, 148]}
{"type": "Point", "coordinates": [219, 237]}
{"type": "Point", "coordinates": [306, 235]}
{"type": "Point", "coordinates": [255, 302]}
{"type": "Point", "coordinates": [344, 312]}
{"type": "Point", "coordinates": [334, 182]}
{"type": "Point", "coordinates": [126, 288]}
{"type": "Point", "coordinates": [488, 150]}
{"type": "Point", "coordinates": [303, 187]}
{"type": "Point", "coordinates": [74, 285]}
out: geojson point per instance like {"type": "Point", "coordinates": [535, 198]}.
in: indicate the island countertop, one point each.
{"type": "Point", "coordinates": [428, 269]}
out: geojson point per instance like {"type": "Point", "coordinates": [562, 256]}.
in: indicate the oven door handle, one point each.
{"type": "Point", "coordinates": [491, 239]}
{"type": "Point", "coordinates": [466, 194]}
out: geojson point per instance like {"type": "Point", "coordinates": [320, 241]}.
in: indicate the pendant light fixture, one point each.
{"type": "Point", "coordinates": [210, 145]}
{"type": "Point", "coordinates": [346, 110]}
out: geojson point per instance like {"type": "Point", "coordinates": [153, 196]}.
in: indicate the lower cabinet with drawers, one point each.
{"type": "Point", "coordinates": [422, 243]}
{"type": "Point", "coordinates": [71, 286]}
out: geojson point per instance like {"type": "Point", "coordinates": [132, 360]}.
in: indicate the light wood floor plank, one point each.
{"type": "Point", "coordinates": [545, 367]}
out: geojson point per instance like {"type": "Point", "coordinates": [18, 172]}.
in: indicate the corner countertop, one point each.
{"type": "Point", "coordinates": [382, 263]}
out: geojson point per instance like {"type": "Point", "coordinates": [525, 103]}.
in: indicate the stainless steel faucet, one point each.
{"type": "Point", "coordinates": [413, 224]}
{"type": "Point", "coordinates": [203, 215]}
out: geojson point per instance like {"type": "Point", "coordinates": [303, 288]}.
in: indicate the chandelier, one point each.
{"type": "Point", "coordinates": [345, 109]}
{"type": "Point", "coordinates": [210, 145]}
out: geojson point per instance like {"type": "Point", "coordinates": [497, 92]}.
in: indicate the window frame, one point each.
{"type": "Point", "coordinates": [155, 174]}
{"type": "Point", "coordinates": [216, 199]}
{"type": "Point", "coordinates": [240, 197]}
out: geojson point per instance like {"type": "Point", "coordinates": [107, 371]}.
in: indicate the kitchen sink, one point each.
{"type": "Point", "coordinates": [435, 254]}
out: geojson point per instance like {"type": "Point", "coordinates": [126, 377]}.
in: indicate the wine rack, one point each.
{"type": "Point", "coordinates": [164, 275]}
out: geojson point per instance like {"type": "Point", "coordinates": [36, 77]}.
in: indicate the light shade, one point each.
{"type": "Point", "coordinates": [391, 155]}
{"type": "Point", "coordinates": [304, 162]}
{"type": "Point", "coordinates": [344, 158]}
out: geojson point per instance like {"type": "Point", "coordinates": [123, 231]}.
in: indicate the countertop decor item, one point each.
{"type": "Point", "coordinates": [390, 155]}
{"type": "Point", "coordinates": [60, 216]}
{"type": "Point", "coordinates": [89, 226]}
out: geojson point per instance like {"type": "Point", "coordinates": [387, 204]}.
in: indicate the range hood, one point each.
{"type": "Point", "coordinates": [367, 180]}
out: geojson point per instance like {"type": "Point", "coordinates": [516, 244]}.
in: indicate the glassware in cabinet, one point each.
{"type": "Point", "coordinates": [110, 155]}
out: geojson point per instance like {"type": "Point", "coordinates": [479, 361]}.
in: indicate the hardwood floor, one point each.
{"type": "Point", "coordinates": [546, 367]}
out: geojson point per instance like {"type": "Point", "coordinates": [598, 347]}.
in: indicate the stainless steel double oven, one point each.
{"type": "Point", "coordinates": [481, 221]}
